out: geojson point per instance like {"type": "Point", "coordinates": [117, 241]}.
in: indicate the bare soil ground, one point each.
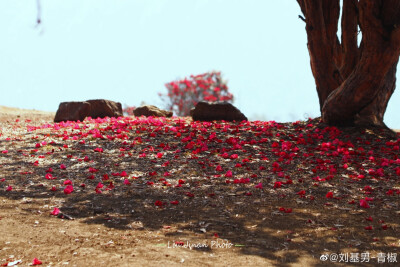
{"type": "Point", "coordinates": [158, 192]}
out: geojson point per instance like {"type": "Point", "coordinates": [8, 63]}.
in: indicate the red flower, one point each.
{"type": "Point", "coordinates": [110, 186]}
{"type": "Point", "coordinates": [301, 193]}
{"type": "Point", "coordinates": [277, 184]}
{"type": "Point", "coordinates": [288, 210]}
{"type": "Point", "coordinates": [55, 212]}
{"type": "Point", "coordinates": [228, 174]}
{"type": "Point", "coordinates": [329, 195]}
{"type": "Point", "coordinates": [260, 186]}
{"type": "Point", "coordinates": [175, 202]}
{"type": "Point", "coordinates": [179, 243]}
{"type": "Point", "coordinates": [189, 194]}
{"type": "Point", "coordinates": [364, 203]}
{"type": "Point", "coordinates": [49, 176]}
{"type": "Point", "coordinates": [9, 188]}
{"type": "Point", "coordinates": [62, 167]}
{"type": "Point", "coordinates": [234, 156]}
{"type": "Point", "coordinates": [67, 182]}
{"type": "Point", "coordinates": [126, 182]}
{"type": "Point", "coordinates": [93, 170]}
{"type": "Point", "coordinates": [68, 189]}
{"type": "Point", "coordinates": [368, 227]}
{"type": "Point", "coordinates": [36, 262]}
{"type": "Point", "coordinates": [158, 203]}
{"type": "Point", "coordinates": [368, 188]}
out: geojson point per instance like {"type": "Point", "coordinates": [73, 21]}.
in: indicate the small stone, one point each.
{"type": "Point", "coordinates": [150, 110]}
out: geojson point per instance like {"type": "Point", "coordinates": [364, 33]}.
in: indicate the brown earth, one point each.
{"type": "Point", "coordinates": [9, 114]}
{"type": "Point", "coordinates": [224, 224]}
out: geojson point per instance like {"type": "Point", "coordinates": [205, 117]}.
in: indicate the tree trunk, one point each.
{"type": "Point", "coordinates": [373, 113]}
{"type": "Point", "coordinates": [354, 83]}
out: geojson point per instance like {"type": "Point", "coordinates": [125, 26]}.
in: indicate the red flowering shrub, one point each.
{"type": "Point", "coordinates": [185, 94]}
{"type": "Point", "coordinates": [128, 110]}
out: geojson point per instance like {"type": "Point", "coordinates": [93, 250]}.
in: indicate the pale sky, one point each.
{"type": "Point", "coordinates": [126, 50]}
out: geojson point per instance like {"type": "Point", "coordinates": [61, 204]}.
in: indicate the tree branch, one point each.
{"type": "Point", "coordinates": [39, 12]}
{"type": "Point", "coordinates": [302, 7]}
{"type": "Point", "coordinates": [322, 45]}
{"type": "Point", "coordinates": [331, 13]}
{"type": "Point", "coordinates": [349, 37]}
{"type": "Point", "coordinates": [380, 52]}
{"type": "Point", "coordinates": [390, 13]}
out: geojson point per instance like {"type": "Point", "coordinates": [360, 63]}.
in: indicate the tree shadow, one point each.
{"type": "Point", "coordinates": [207, 206]}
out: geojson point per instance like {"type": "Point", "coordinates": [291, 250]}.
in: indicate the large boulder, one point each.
{"type": "Point", "coordinates": [150, 110]}
{"type": "Point", "coordinates": [213, 111]}
{"type": "Point", "coordinates": [72, 111]}
{"type": "Point", "coordinates": [101, 108]}
{"type": "Point", "coordinates": [79, 110]}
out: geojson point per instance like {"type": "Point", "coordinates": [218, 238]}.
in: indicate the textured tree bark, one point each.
{"type": "Point", "coordinates": [354, 83]}
{"type": "Point", "coordinates": [321, 35]}
{"type": "Point", "coordinates": [373, 113]}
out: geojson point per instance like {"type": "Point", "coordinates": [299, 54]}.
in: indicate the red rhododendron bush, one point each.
{"type": "Point", "coordinates": [183, 95]}
{"type": "Point", "coordinates": [134, 190]}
